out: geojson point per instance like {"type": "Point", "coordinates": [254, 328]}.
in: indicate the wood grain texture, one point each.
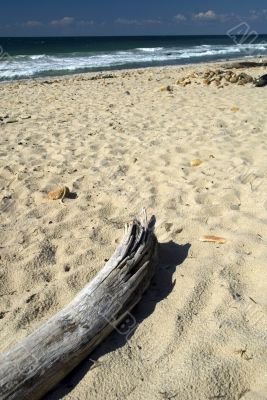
{"type": "Point", "coordinates": [36, 364]}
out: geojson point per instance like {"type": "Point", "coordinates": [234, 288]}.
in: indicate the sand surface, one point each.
{"type": "Point", "coordinates": [120, 143]}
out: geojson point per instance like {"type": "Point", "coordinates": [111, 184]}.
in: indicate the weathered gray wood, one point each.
{"type": "Point", "coordinates": [245, 64]}
{"type": "Point", "coordinates": [36, 364]}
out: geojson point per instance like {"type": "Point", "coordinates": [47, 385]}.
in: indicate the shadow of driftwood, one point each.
{"type": "Point", "coordinates": [171, 255]}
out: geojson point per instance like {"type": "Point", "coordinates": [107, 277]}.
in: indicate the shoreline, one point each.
{"type": "Point", "coordinates": [133, 69]}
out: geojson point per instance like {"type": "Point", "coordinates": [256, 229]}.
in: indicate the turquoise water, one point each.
{"type": "Point", "coordinates": [34, 57]}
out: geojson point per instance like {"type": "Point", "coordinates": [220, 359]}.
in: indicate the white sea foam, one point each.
{"type": "Point", "coordinates": [23, 66]}
{"type": "Point", "coordinates": [37, 57]}
{"type": "Point", "coordinates": [150, 49]}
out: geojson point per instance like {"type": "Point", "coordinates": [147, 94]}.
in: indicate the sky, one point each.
{"type": "Point", "coordinates": [130, 17]}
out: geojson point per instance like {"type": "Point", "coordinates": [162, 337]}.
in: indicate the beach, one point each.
{"type": "Point", "coordinates": [121, 141]}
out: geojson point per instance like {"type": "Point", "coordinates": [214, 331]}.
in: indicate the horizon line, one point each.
{"type": "Point", "coordinates": [113, 36]}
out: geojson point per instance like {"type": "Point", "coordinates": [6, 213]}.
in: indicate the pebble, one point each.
{"type": "Point", "coordinates": [234, 109]}
{"type": "Point", "coordinates": [166, 88]}
{"type": "Point", "coordinates": [234, 79]}
{"type": "Point", "coordinates": [195, 163]}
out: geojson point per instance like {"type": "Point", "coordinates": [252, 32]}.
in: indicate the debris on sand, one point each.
{"type": "Point", "coordinates": [214, 239]}
{"type": "Point", "coordinates": [59, 193]}
{"type": "Point", "coordinates": [261, 81]}
{"type": "Point", "coordinates": [218, 77]}
{"type": "Point", "coordinates": [195, 163]}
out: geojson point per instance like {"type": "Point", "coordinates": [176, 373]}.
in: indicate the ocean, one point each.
{"type": "Point", "coordinates": [22, 58]}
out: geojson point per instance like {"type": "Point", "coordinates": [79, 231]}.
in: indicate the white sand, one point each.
{"type": "Point", "coordinates": [202, 326]}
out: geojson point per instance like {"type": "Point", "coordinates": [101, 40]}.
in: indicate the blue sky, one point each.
{"type": "Point", "coordinates": [125, 17]}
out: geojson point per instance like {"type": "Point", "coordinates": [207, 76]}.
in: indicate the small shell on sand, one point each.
{"type": "Point", "coordinates": [195, 163]}
{"type": "Point", "coordinates": [166, 89]}
{"type": "Point", "coordinates": [234, 109]}
{"type": "Point", "coordinates": [215, 239]}
{"type": "Point", "coordinates": [59, 193]}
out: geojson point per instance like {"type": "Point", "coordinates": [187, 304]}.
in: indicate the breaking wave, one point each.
{"type": "Point", "coordinates": [27, 66]}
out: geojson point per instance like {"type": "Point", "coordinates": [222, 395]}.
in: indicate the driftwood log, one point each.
{"type": "Point", "coordinates": [245, 64]}
{"type": "Point", "coordinates": [36, 364]}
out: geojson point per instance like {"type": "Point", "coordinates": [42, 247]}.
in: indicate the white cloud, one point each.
{"type": "Point", "coordinates": [211, 16]}
{"type": "Point", "coordinates": [84, 23]}
{"type": "Point", "coordinates": [137, 22]}
{"type": "Point", "coordinates": [205, 16]}
{"type": "Point", "coordinates": [254, 15]}
{"type": "Point", "coordinates": [124, 21]}
{"type": "Point", "coordinates": [152, 21]}
{"type": "Point", "coordinates": [32, 24]}
{"type": "Point", "coordinates": [63, 22]}
{"type": "Point", "coordinates": [180, 18]}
